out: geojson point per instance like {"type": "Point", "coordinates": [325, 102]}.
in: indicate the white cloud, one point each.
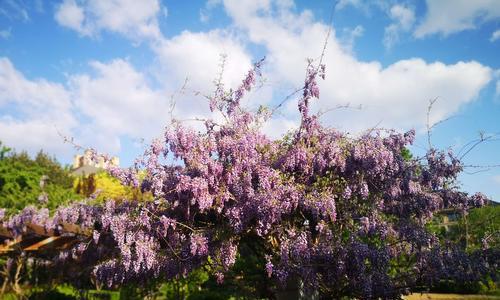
{"type": "Point", "coordinates": [33, 111]}
{"type": "Point", "coordinates": [277, 127]}
{"type": "Point", "coordinates": [34, 96]}
{"type": "Point", "coordinates": [358, 4]}
{"type": "Point", "coordinates": [397, 94]}
{"type": "Point", "coordinates": [366, 7]}
{"type": "Point", "coordinates": [96, 109]}
{"type": "Point", "coordinates": [349, 36]}
{"type": "Point", "coordinates": [404, 18]}
{"type": "Point", "coordinates": [206, 12]}
{"type": "Point", "coordinates": [197, 56]}
{"type": "Point", "coordinates": [131, 18]}
{"type": "Point", "coordinates": [118, 100]}
{"type": "Point", "coordinates": [34, 135]}
{"type": "Point", "coordinates": [71, 15]}
{"type": "Point", "coordinates": [450, 16]}
{"type": "Point", "coordinates": [115, 99]}
{"type": "Point", "coordinates": [495, 36]}
{"type": "Point", "coordinates": [496, 179]}
{"type": "Point", "coordinates": [344, 3]}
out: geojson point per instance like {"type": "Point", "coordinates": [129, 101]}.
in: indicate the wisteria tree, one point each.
{"type": "Point", "coordinates": [345, 216]}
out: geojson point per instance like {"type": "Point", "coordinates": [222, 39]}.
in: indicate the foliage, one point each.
{"type": "Point", "coordinates": [345, 216]}
{"type": "Point", "coordinates": [102, 186]}
{"type": "Point", "coordinates": [483, 227]}
{"type": "Point", "coordinates": [3, 150]}
{"type": "Point", "coordinates": [41, 181]}
{"type": "Point", "coordinates": [473, 231]}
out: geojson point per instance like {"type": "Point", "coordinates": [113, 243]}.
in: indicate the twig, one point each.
{"type": "Point", "coordinates": [339, 106]}
{"type": "Point", "coordinates": [172, 98]}
{"type": "Point", "coordinates": [482, 139]}
{"type": "Point", "coordinates": [325, 44]}
{"type": "Point", "coordinates": [286, 99]}
{"type": "Point", "coordinates": [479, 166]}
{"type": "Point", "coordinates": [429, 127]}
{"type": "Point", "coordinates": [321, 57]}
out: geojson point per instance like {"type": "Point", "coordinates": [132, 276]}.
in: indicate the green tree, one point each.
{"type": "Point", "coordinates": [40, 181]}
{"type": "Point", "coordinates": [103, 186]}
{"type": "Point", "coordinates": [483, 227]}
{"type": "Point", "coordinates": [3, 150]}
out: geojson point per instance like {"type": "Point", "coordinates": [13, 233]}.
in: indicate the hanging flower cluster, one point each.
{"type": "Point", "coordinates": [339, 213]}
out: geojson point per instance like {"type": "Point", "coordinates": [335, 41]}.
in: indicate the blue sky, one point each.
{"type": "Point", "coordinates": [105, 72]}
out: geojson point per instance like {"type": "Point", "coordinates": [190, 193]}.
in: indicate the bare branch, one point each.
{"type": "Point", "coordinates": [286, 100]}
{"type": "Point", "coordinates": [321, 57]}
{"type": "Point", "coordinates": [482, 138]}
{"type": "Point", "coordinates": [481, 166]}
{"type": "Point", "coordinates": [429, 126]}
{"type": "Point", "coordinates": [337, 107]}
{"type": "Point", "coordinates": [173, 95]}
{"type": "Point", "coordinates": [476, 172]}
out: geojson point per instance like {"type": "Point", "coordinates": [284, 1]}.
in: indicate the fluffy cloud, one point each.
{"type": "Point", "coordinates": [344, 3]}
{"type": "Point", "coordinates": [97, 109]}
{"type": "Point", "coordinates": [495, 36]}
{"type": "Point", "coordinates": [349, 36]}
{"type": "Point", "coordinates": [404, 18]}
{"type": "Point", "coordinates": [197, 57]}
{"type": "Point", "coordinates": [131, 18]}
{"type": "Point", "coordinates": [206, 12]}
{"type": "Point", "coordinates": [114, 100]}
{"type": "Point", "coordinates": [364, 6]}
{"type": "Point", "coordinates": [34, 135]}
{"type": "Point", "coordinates": [36, 98]}
{"type": "Point", "coordinates": [397, 95]}
{"type": "Point", "coordinates": [33, 111]}
{"type": "Point", "coordinates": [117, 100]}
{"type": "Point", "coordinates": [449, 16]}
{"type": "Point", "coordinates": [71, 15]}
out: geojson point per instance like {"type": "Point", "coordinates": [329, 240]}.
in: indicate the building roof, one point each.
{"type": "Point", "coordinates": [85, 170]}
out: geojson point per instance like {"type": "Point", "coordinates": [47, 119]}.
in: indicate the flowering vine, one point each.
{"type": "Point", "coordinates": [338, 212]}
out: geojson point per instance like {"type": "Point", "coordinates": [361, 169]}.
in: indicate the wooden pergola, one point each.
{"type": "Point", "coordinates": [36, 240]}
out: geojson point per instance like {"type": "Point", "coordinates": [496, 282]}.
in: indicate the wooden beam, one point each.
{"type": "Point", "coordinates": [73, 228]}
{"type": "Point", "coordinates": [39, 230]}
{"type": "Point", "coordinates": [42, 244]}
{"type": "Point", "coordinates": [7, 246]}
{"type": "Point", "coordinates": [5, 232]}
{"type": "Point", "coordinates": [37, 240]}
